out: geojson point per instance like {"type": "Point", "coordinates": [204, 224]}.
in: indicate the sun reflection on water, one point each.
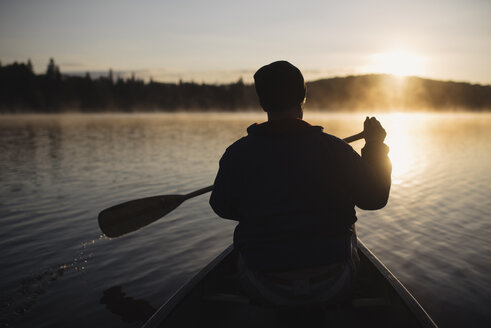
{"type": "Point", "coordinates": [401, 148]}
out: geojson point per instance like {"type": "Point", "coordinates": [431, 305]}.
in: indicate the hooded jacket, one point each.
{"type": "Point", "coordinates": [293, 190]}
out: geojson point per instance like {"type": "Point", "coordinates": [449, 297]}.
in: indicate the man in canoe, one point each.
{"type": "Point", "coordinates": [293, 190]}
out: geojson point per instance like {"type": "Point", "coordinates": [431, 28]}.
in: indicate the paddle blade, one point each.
{"type": "Point", "coordinates": [130, 216]}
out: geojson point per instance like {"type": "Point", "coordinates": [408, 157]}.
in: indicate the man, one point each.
{"type": "Point", "coordinates": [293, 189]}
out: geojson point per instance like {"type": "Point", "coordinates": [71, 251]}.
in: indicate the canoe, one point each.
{"type": "Point", "coordinates": [212, 298]}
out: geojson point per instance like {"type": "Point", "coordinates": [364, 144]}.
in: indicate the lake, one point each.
{"type": "Point", "coordinates": [57, 172]}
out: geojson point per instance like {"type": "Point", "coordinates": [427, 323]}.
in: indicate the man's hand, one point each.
{"type": "Point", "coordinates": [373, 130]}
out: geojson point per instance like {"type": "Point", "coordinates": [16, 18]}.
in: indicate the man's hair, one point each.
{"type": "Point", "coordinates": [279, 86]}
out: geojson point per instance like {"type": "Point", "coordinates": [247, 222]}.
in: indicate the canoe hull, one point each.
{"type": "Point", "coordinates": [213, 297]}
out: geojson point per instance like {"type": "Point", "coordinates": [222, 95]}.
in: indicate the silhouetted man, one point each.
{"type": "Point", "coordinates": [293, 189]}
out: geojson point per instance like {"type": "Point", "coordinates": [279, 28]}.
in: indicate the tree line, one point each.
{"type": "Point", "coordinates": [21, 90]}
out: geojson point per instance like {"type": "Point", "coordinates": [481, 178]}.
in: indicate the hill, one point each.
{"type": "Point", "coordinates": [388, 92]}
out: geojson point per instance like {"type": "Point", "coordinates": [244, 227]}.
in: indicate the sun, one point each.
{"type": "Point", "coordinates": [397, 63]}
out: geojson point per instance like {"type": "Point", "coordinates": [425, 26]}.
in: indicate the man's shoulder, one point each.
{"type": "Point", "coordinates": [236, 149]}
{"type": "Point", "coordinates": [336, 142]}
{"type": "Point", "coordinates": [239, 144]}
{"type": "Point", "coordinates": [244, 141]}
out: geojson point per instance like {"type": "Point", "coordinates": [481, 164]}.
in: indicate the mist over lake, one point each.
{"type": "Point", "coordinates": [57, 172]}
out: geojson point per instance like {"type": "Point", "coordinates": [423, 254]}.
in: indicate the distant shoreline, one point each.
{"type": "Point", "coordinates": [22, 91]}
{"type": "Point", "coordinates": [308, 114]}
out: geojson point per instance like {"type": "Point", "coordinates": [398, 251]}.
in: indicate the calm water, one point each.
{"type": "Point", "coordinates": [58, 172]}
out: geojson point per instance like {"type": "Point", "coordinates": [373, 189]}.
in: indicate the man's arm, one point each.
{"type": "Point", "coordinates": [223, 198]}
{"type": "Point", "coordinates": [373, 169]}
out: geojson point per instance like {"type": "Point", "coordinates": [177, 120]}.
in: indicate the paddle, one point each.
{"type": "Point", "coordinates": [130, 216]}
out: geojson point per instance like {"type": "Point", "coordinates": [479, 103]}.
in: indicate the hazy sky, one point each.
{"type": "Point", "coordinates": [221, 40]}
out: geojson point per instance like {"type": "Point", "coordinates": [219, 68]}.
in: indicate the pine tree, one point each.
{"type": "Point", "coordinates": [110, 76]}
{"type": "Point", "coordinates": [53, 71]}
{"type": "Point", "coordinates": [29, 65]}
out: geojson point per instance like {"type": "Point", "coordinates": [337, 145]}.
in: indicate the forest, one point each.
{"type": "Point", "coordinates": [23, 91]}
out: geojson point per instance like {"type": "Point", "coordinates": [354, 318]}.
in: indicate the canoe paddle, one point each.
{"type": "Point", "coordinates": [130, 216]}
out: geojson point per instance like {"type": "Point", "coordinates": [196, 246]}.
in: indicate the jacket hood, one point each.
{"type": "Point", "coordinates": [287, 127]}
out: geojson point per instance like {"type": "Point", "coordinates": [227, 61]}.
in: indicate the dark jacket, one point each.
{"type": "Point", "coordinates": [293, 189]}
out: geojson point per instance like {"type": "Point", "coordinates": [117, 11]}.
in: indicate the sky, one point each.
{"type": "Point", "coordinates": [218, 41]}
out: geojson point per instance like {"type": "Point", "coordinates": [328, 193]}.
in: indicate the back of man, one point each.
{"type": "Point", "coordinates": [293, 189]}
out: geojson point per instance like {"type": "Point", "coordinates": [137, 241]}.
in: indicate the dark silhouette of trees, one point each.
{"type": "Point", "coordinates": [19, 87]}
{"type": "Point", "coordinates": [29, 65]}
{"type": "Point", "coordinates": [53, 71]}
{"type": "Point", "coordinates": [23, 91]}
{"type": "Point", "coordinates": [51, 87]}
{"type": "Point", "coordinates": [110, 76]}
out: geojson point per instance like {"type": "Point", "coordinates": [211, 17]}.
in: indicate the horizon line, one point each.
{"type": "Point", "coordinates": [128, 73]}
{"type": "Point", "coordinates": [227, 76]}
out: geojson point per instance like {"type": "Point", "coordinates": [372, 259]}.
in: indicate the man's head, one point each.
{"type": "Point", "coordinates": [280, 86]}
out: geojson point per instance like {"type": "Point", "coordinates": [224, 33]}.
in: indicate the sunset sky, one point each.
{"type": "Point", "coordinates": [222, 40]}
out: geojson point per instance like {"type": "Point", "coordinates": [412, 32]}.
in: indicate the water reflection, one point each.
{"type": "Point", "coordinates": [401, 148]}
